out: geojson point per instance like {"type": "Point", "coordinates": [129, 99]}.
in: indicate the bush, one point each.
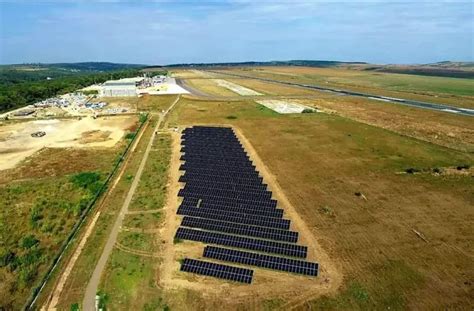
{"type": "Point", "coordinates": [88, 180]}
{"type": "Point", "coordinates": [437, 170]}
{"type": "Point", "coordinates": [85, 179]}
{"type": "Point", "coordinates": [7, 257]}
{"type": "Point", "coordinates": [103, 299]}
{"type": "Point", "coordinates": [90, 92]}
{"type": "Point", "coordinates": [412, 170]}
{"type": "Point", "coordinates": [463, 167]}
{"type": "Point", "coordinates": [142, 118]}
{"type": "Point", "coordinates": [308, 110]}
{"type": "Point", "coordinates": [231, 117]}
{"type": "Point", "coordinates": [130, 135]}
{"type": "Point", "coordinates": [27, 275]}
{"type": "Point", "coordinates": [35, 216]}
{"type": "Point", "coordinates": [29, 241]}
{"type": "Point", "coordinates": [33, 256]}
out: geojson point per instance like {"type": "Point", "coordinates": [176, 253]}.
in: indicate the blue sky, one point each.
{"type": "Point", "coordinates": [164, 32]}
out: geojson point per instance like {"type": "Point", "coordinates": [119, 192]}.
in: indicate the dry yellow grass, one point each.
{"type": "Point", "coordinates": [272, 88]}
{"type": "Point", "coordinates": [443, 129]}
{"type": "Point", "coordinates": [209, 86]}
{"type": "Point", "coordinates": [321, 161]}
{"type": "Point", "coordinates": [451, 91]}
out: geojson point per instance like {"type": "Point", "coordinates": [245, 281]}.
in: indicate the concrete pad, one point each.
{"type": "Point", "coordinates": [237, 88]}
{"type": "Point", "coordinates": [282, 106]}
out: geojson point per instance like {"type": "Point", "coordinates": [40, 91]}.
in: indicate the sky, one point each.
{"type": "Point", "coordinates": [167, 32]}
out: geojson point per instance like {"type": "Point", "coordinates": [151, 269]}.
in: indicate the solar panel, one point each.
{"type": "Point", "coordinates": [242, 242]}
{"type": "Point", "coordinates": [241, 218]}
{"type": "Point", "coordinates": [225, 202]}
{"type": "Point", "coordinates": [276, 213]}
{"type": "Point", "coordinates": [217, 270]}
{"type": "Point", "coordinates": [240, 229]}
{"type": "Point", "coordinates": [263, 261]}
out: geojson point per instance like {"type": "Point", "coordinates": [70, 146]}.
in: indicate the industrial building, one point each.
{"type": "Point", "coordinates": [123, 87]}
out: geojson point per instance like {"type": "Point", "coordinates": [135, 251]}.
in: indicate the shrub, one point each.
{"type": "Point", "coordinates": [308, 110]}
{"type": "Point", "coordinates": [412, 170]}
{"type": "Point", "coordinates": [437, 170]}
{"type": "Point", "coordinates": [7, 257]}
{"type": "Point", "coordinates": [130, 135]}
{"type": "Point", "coordinates": [103, 299]}
{"type": "Point", "coordinates": [35, 216]}
{"type": "Point", "coordinates": [142, 118]}
{"type": "Point", "coordinates": [33, 256]}
{"type": "Point", "coordinates": [27, 274]}
{"type": "Point", "coordinates": [85, 179]}
{"type": "Point", "coordinates": [29, 241]}
{"type": "Point", "coordinates": [231, 117]}
{"type": "Point", "coordinates": [463, 167]}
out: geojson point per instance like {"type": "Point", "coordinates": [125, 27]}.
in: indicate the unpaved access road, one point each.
{"type": "Point", "coordinates": [93, 285]}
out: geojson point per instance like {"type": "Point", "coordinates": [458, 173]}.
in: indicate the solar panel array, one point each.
{"type": "Point", "coordinates": [263, 261]}
{"type": "Point", "coordinates": [225, 202]}
{"type": "Point", "coordinates": [217, 270]}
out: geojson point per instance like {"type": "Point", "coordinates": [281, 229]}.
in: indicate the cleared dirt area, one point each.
{"type": "Point", "coordinates": [16, 142]}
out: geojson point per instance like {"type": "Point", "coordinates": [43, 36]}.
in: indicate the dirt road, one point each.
{"type": "Point", "coordinates": [92, 287]}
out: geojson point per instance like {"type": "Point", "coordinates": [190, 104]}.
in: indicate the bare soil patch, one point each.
{"type": "Point", "coordinates": [18, 144]}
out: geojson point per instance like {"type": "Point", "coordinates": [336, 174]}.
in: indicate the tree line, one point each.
{"type": "Point", "coordinates": [17, 92]}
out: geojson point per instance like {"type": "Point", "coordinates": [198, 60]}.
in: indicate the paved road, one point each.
{"type": "Point", "coordinates": [400, 101]}
{"type": "Point", "coordinates": [89, 297]}
{"type": "Point", "coordinates": [182, 83]}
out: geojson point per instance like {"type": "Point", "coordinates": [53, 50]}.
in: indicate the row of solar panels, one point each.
{"type": "Point", "coordinates": [226, 203]}
{"type": "Point", "coordinates": [210, 184]}
{"type": "Point", "coordinates": [240, 229]}
{"type": "Point", "coordinates": [195, 201]}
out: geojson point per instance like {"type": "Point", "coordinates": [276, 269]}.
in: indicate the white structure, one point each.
{"type": "Point", "coordinates": [122, 87]}
{"type": "Point", "coordinates": [161, 86]}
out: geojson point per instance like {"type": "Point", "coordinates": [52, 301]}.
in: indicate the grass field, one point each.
{"type": "Point", "coordinates": [273, 88]}
{"type": "Point", "coordinates": [449, 130]}
{"type": "Point", "coordinates": [80, 275]}
{"type": "Point", "coordinates": [42, 199]}
{"type": "Point", "coordinates": [130, 278]}
{"type": "Point", "coordinates": [321, 162]}
{"type": "Point", "coordinates": [75, 286]}
{"type": "Point", "coordinates": [209, 86]}
{"type": "Point", "coordinates": [451, 91]}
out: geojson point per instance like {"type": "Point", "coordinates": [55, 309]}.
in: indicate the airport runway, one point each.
{"type": "Point", "coordinates": [400, 101]}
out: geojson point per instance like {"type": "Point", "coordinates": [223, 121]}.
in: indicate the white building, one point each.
{"type": "Point", "coordinates": [122, 87]}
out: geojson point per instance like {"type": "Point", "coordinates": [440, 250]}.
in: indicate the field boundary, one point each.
{"type": "Point", "coordinates": [69, 240]}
